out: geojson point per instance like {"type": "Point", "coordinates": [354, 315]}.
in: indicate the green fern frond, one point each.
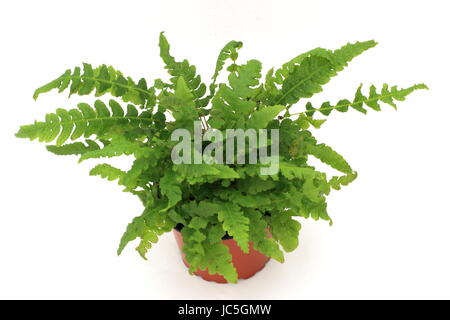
{"type": "Point", "coordinates": [147, 238]}
{"type": "Point", "coordinates": [286, 230]}
{"type": "Point", "coordinates": [304, 75]}
{"type": "Point", "coordinates": [182, 105]}
{"type": "Point", "coordinates": [207, 252]}
{"type": "Point", "coordinates": [84, 121]}
{"type": "Point", "coordinates": [328, 156]}
{"type": "Point", "coordinates": [387, 95]}
{"type": "Point", "coordinates": [132, 177]}
{"type": "Point", "coordinates": [170, 187]}
{"type": "Point", "coordinates": [339, 58]}
{"type": "Point", "coordinates": [305, 80]}
{"type": "Point", "coordinates": [233, 103]}
{"type": "Point", "coordinates": [107, 171]}
{"type": "Point", "coordinates": [183, 69]}
{"type": "Point", "coordinates": [102, 79]}
{"type": "Point", "coordinates": [261, 118]}
{"type": "Point", "coordinates": [342, 56]}
{"type": "Point", "coordinates": [76, 148]}
{"type": "Point", "coordinates": [203, 209]}
{"type": "Point", "coordinates": [260, 238]}
{"type": "Point", "coordinates": [201, 173]}
{"type": "Point", "coordinates": [254, 185]}
{"type": "Point", "coordinates": [135, 229]}
{"type": "Point", "coordinates": [235, 223]}
{"type": "Point", "coordinates": [129, 179]}
{"type": "Point", "coordinates": [118, 146]}
{"type": "Point", "coordinates": [292, 171]}
{"type": "Point", "coordinates": [218, 259]}
{"type": "Point", "coordinates": [198, 223]}
{"type": "Point", "coordinates": [337, 182]}
{"type": "Point", "coordinates": [145, 228]}
{"type": "Point", "coordinates": [227, 52]}
{"type": "Point", "coordinates": [305, 121]}
{"type": "Point", "coordinates": [193, 247]}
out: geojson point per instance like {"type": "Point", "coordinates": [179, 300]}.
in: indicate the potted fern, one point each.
{"type": "Point", "coordinates": [228, 216]}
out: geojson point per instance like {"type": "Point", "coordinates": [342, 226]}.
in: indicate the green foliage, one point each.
{"type": "Point", "coordinates": [306, 79]}
{"type": "Point", "coordinates": [260, 237]}
{"type": "Point", "coordinates": [212, 200]}
{"type": "Point", "coordinates": [328, 156]}
{"type": "Point", "coordinates": [76, 148]}
{"type": "Point", "coordinates": [102, 79]}
{"type": "Point", "coordinates": [305, 75]}
{"type": "Point", "coordinates": [107, 171]}
{"type": "Point", "coordinates": [261, 118]}
{"type": "Point", "coordinates": [138, 228]}
{"type": "Point", "coordinates": [227, 52]}
{"type": "Point", "coordinates": [233, 103]}
{"type": "Point", "coordinates": [285, 229]}
{"type": "Point", "coordinates": [84, 121]}
{"type": "Point", "coordinates": [169, 186]}
{"type": "Point", "coordinates": [234, 223]}
{"type": "Point", "coordinates": [181, 103]}
{"type": "Point", "coordinates": [387, 95]}
{"type": "Point", "coordinates": [206, 252]}
{"type": "Point", "coordinates": [182, 69]}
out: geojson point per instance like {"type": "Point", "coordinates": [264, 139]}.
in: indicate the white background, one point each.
{"type": "Point", "coordinates": [59, 228]}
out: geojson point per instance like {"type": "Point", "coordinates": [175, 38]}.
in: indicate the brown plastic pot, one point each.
{"type": "Point", "coordinates": [246, 264]}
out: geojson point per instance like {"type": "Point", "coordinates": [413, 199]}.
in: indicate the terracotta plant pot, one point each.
{"type": "Point", "coordinates": [247, 265]}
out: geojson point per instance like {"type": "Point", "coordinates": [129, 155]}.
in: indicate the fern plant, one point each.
{"type": "Point", "coordinates": [208, 201]}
